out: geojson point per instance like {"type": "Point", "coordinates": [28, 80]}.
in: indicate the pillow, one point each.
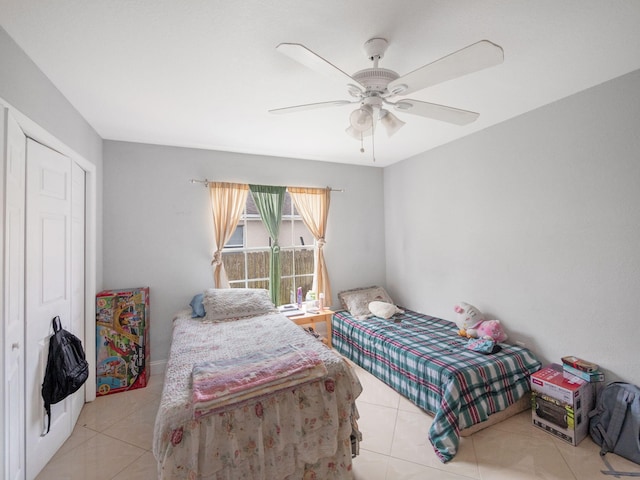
{"type": "Point", "coordinates": [357, 300]}
{"type": "Point", "coordinates": [197, 308]}
{"type": "Point", "coordinates": [383, 309]}
{"type": "Point", "coordinates": [233, 303]}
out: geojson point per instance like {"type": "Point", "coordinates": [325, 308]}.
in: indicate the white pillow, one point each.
{"type": "Point", "coordinates": [384, 309]}
{"type": "Point", "coordinates": [358, 299]}
{"type": "Point", "coordinates": [224, 304]}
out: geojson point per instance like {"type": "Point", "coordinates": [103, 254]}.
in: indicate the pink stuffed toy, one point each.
{"type": "Point", "coordinates": [472, 324]}
{"type": "Point", "coordinates": [491, 329]}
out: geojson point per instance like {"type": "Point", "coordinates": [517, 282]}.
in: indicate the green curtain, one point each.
{"type": "Point", "coordinates": [269, 201]}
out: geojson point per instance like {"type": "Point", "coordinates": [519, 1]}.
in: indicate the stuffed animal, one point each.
{"type": "Point", "coordinates": [491, 329]}
{"type": "Point", "coordinates": [468, 317]}
{"type": "Point", "coordinates": [472, 324]}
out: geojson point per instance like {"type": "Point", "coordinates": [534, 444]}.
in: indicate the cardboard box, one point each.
{"type": "Point", "coordinates": [560, 403]}
{"type": "Point", "coordinates": [122, 340]}
{"type": "Point", "coordinates": [593, 377]}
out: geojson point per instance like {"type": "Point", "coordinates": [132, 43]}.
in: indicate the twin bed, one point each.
{"type": "Point", "coordinates": [250, 395]}
{"type": "Point", "coordinates": [425, 360]}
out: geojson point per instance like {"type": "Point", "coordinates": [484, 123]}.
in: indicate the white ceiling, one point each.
{"type": "Point", "coordinates": [203, 73]}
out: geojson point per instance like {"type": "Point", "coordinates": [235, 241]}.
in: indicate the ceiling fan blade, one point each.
{"type": "Point", "coordinates": [473, 58]}
{"type": "Point", "coordinates": [309, 59]}
{"type": "Point", "coordinates": [310, 106]}
{"type": "Point", "coordinates": [436, 112]}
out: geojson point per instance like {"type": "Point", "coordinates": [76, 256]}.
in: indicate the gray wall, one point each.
{"type": "Point", "coordinates": [535, 221]}
{"type": "Point", "coordinates": [25, 88]}
{"type": "Point", "coordinates": [158, 226]}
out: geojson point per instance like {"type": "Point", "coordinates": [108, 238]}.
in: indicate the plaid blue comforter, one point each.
{"type": "Point", "coordinates": [425, 360]}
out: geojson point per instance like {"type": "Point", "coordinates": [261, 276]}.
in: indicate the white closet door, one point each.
{"type": "Point", "coordinates": [13, 308]}
{"type": "Point", "coordinates": [48, 293]}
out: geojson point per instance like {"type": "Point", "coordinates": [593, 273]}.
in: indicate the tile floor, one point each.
{"type": "Point", "coordinates": [112, 441]}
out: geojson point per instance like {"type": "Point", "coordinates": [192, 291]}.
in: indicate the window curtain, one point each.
{"type": "Point", "coordinates": [313, 206]}
{"type": "Point", "coordinates": [269, 202]}
{"type": "Point", "coordinates": [227, 203]}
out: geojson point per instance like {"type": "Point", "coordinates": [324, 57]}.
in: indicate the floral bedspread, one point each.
{"type": "Point", "coordinates": [302, 432]}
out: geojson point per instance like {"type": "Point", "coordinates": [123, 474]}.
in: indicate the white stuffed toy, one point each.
{"type": "Point", "coordinates": [472, 324]}
{"type": "Point", "coordinates": [469, 317]}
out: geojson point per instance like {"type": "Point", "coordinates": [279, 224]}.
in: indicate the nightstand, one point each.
{"type": "Point", "coordinates": [310, 320]}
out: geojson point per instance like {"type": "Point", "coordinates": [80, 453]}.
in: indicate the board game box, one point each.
{"type": "Point", "coordinates": [122, 340]}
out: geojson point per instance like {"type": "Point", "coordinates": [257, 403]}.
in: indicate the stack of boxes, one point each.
{"type": "Point", "coordinates": [561, 401]}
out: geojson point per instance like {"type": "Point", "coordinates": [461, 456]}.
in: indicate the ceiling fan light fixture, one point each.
{"type": "Point", "coordinates": [357, 134]}
{"type": "Point", "coordinates": [390, 122]}
{"type": "Point", "coordinates": [361, 119]}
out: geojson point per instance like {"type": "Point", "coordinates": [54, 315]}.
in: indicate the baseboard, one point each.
{"type": "Point", "coordinates": [158, 367]}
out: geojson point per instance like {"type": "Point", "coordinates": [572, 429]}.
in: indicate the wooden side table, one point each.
{"type": "Point", "coordinates": [310, 319]}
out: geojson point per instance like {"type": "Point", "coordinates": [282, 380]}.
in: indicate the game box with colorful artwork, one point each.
{"type": "Point", "coordinates": [122, 340]}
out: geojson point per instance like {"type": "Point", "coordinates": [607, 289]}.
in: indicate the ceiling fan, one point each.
{"type": "Point", "coordinates": [376, 89]}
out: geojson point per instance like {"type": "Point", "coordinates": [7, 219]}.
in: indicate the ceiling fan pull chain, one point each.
{"type": "Point", "coordinates": [373, 146]}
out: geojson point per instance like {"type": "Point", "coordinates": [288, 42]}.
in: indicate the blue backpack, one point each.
{"type": "Point", "coordinates": [615, 424]}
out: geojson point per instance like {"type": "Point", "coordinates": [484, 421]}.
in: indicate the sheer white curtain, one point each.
{"type": "Point", "coordinates": [227, 203]}
{"type": "Point", "coordinates": [313, 206]}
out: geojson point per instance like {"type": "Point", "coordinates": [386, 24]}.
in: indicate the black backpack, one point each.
{"type": "Point", "coordinates": [67, 368]}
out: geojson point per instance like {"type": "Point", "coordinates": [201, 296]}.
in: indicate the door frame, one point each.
{"type": "Point", "coordinates": [39, 134]}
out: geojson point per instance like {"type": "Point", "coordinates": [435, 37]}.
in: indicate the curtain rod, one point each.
{"type": "Point", "coordinates": [206, 182]}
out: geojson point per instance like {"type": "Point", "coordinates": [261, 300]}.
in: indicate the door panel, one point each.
{"type": "Point", "coordinates": [13, 308]}
{"type": "Point", "coordinates": [53, 273]}
{"type": "Point", "coordinates": [48, 248]}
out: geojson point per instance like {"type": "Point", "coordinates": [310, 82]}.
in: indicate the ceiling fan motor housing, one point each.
{"type": "Point", "coordinates": [375, 79]}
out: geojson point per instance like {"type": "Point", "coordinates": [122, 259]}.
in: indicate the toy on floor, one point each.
{"type": "Point", "coordinates": [472, 324]}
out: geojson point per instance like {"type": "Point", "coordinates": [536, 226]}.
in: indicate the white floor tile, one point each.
{"type": "Point", "coordinates": [404, 470]}
{"type": "Point", "coordinates": [585, 462]}
{"type": "Point", "coordinates": [411, 443]}
{"type": "Point", "coordinates": [377, 424]}
{"type": "Point", "coordinates": [370, 465]}
{"type": "Point", "coordinates": [137, 428]}
{"type": "Point", "coordinates": [507, 456]}
{"type": "Point", "coordinates": [376, 392]}
{"type": "Point", "coordinates": [408, 406]}
{"type": "Point", "coordinates": [99, 458]}
{"type": "Point", "coordinates": [144, 468]}
{"type": "Point", "coordinates": [112, 441]}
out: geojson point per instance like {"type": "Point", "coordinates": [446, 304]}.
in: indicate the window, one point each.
{"type": "Point", "coordinates": [246, 254]}
{"type": "Point", "coordinates": [236, 240]}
